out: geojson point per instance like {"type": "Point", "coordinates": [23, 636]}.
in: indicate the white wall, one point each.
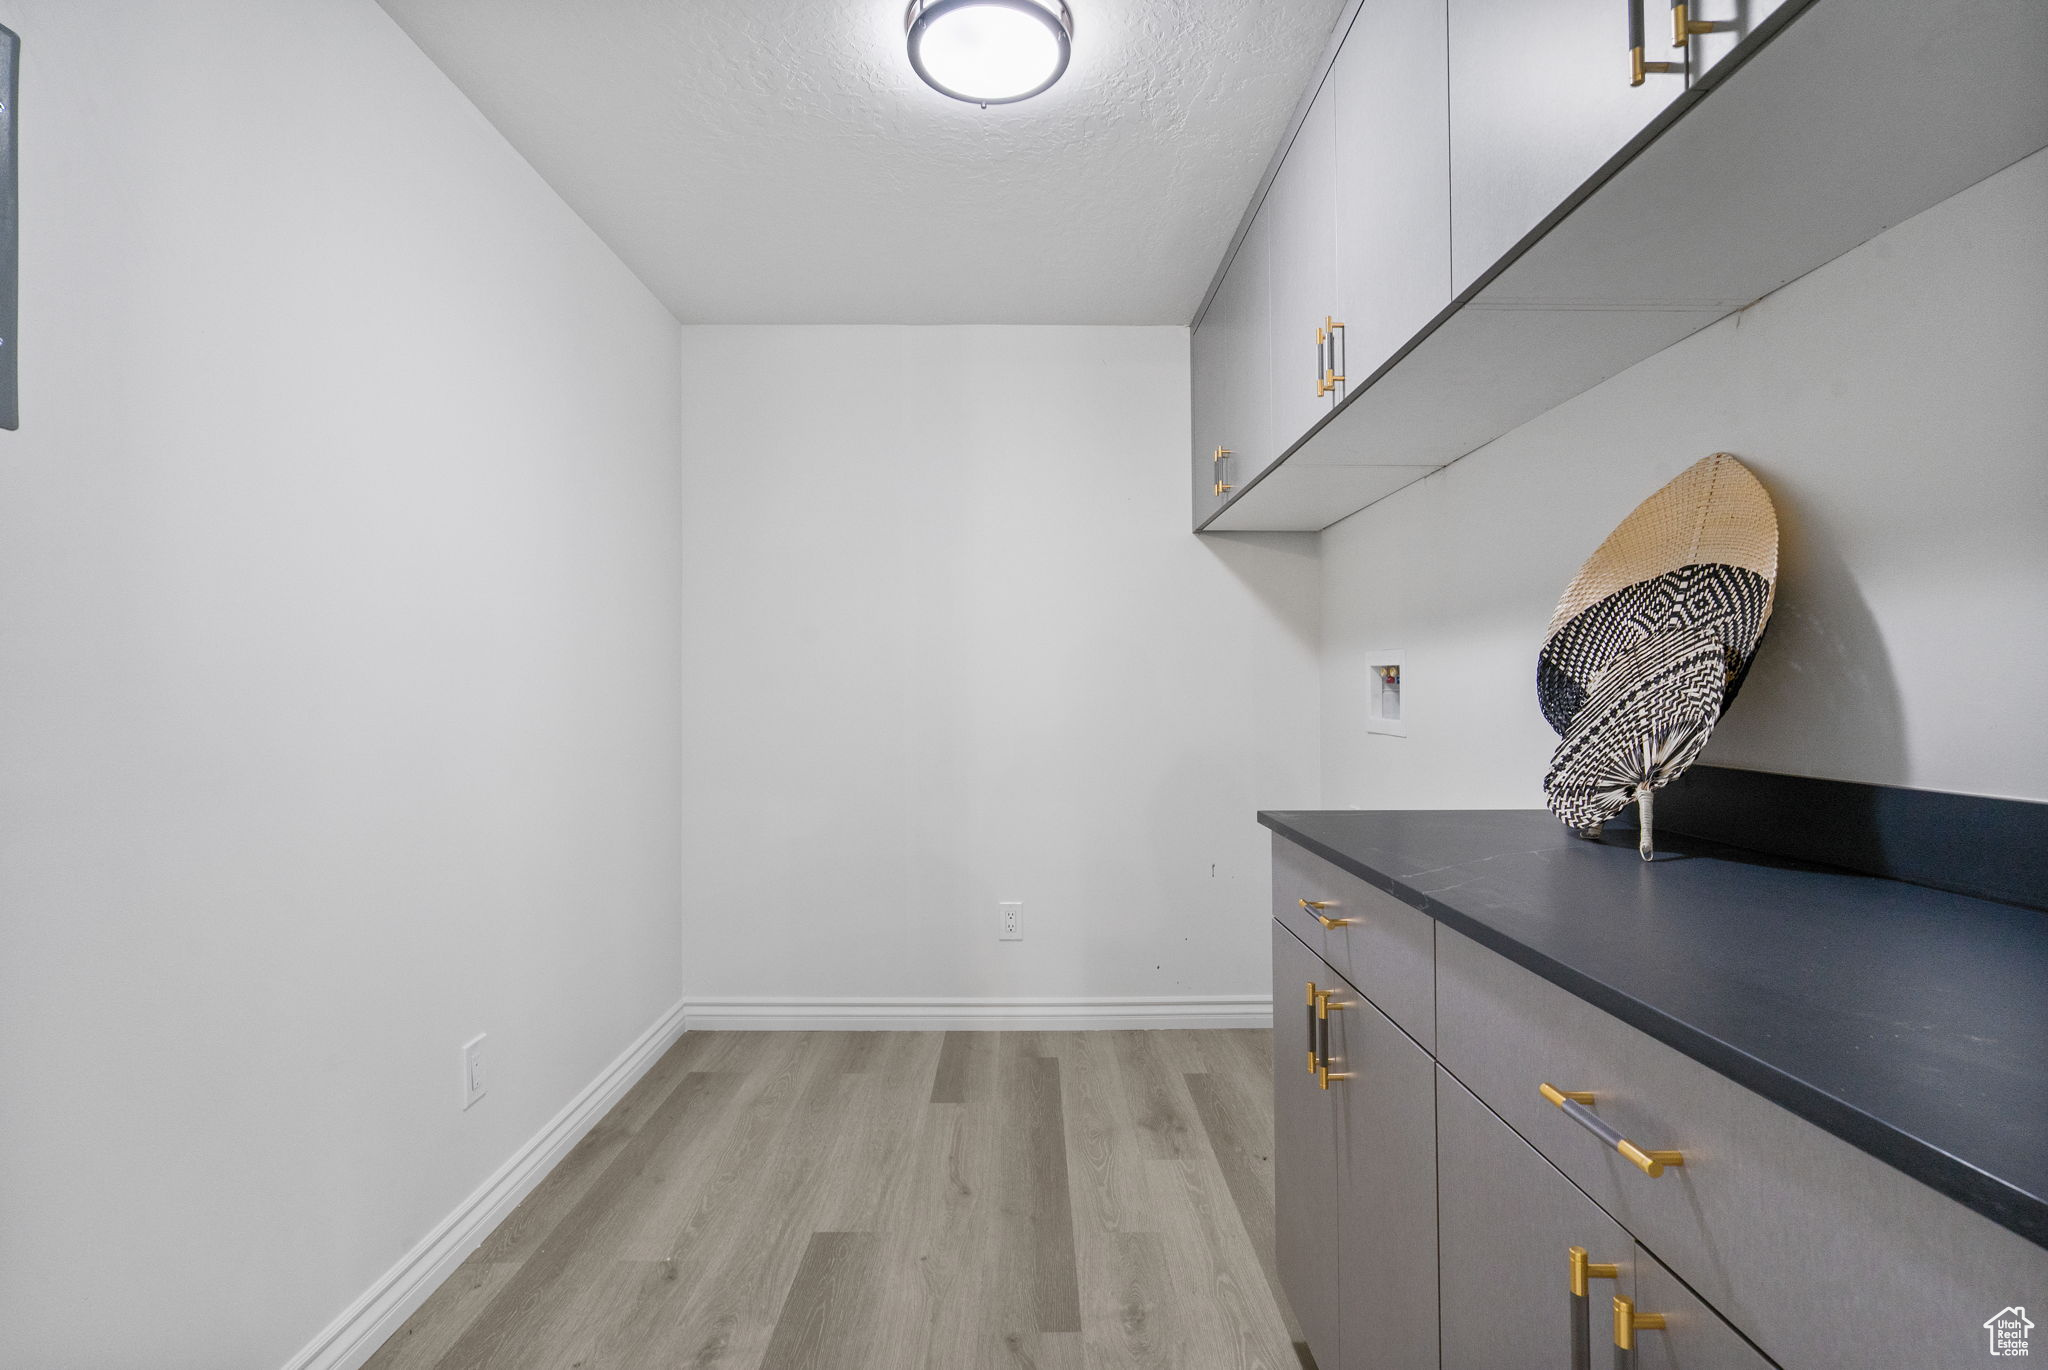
{"type": "Point", "coordinates": [1895, 403]}
{"type": "Point", "coordinates": [338, 648]}
{"type": "Point", "coordinates": [949, 642]}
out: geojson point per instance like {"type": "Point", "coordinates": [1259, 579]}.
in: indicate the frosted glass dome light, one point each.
{"type": "Point", "coordinates": [989, 52]}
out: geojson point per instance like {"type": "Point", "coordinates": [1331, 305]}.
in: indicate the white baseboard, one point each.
{"type": "Point", "coordinates": [353, 1337]}
{"type": "Point", "coordinates": [992, 1015]}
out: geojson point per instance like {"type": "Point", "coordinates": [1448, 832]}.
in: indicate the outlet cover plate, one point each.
{"type": "Point", "coordinates": [472, 1070]}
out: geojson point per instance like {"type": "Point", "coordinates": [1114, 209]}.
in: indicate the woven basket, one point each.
{"type": "Point", "coordinates": [1653, 638]}
{"type": "Point", "coordinates": [1715, 511]}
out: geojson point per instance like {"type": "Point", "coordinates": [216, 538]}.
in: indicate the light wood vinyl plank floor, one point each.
{"type": "Point", "coordinates": [895, 1201]}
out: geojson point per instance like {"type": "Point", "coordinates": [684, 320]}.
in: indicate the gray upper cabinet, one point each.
{"type": "Point", "coordinates": [1304, 1152]}
{"type": "Point", "coordinates": [1445, 132]}
{"type": "Point", "coordinates": [1540, 98]}
{"type": "Point", "coordinates": [1230, 358]}
{"type": "Point", "coordinates": [1301, 207]}
{"type": "Point", "coordinates": [1390, 98]}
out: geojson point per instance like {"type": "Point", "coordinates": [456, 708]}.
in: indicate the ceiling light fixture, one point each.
{"type": "Point", "coordinates": [989, 52]}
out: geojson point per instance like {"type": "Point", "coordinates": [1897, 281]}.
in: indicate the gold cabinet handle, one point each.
{"type": "Point", "coordinates": [1326, 357]}
{"type": "Point", "coordinates": [1312, 1062]}
{"type": "Point", "coordinates": [1637, 67]}
{"type": "Point", "coordinates": [1577, 1104]}
{"type": "Point", "coordinates": [1324, 1008]}
{"type": "Point", "coordinates": [1315, 907]}
{"type": "Point", "coordinates": [1684, 26]}
{"type": "Point", "coordinates": [1628, 1322]}
{"type": "Point", "coordinates": [1584, 1272]}
{"type": "Point", "coordinates": [1223, 487]}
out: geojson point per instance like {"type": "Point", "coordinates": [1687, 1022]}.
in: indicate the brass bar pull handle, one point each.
{"type": "Point", "coordinates": [1322, 362]}
{"type": "Point", "coordinates": [1577, 1105]}
{"type": "Point", "coordinates": [1332, 377]}
{"type": "Point", "coordinates": [1315, 907]}
{"type": "Point", "coordinates": [1584, 1272]}
{"type": "Point", "coordinates": [1324, 1008]}
{"type": "Point", "coordinates": [1322, 1039]}
{"type": "Point", "coordinates": [1684, 26]}
{"type": "Point", "coordinates": [1223, 487]}
{"type": "Point", "coordinates": [1628, 1322]}
{"type": "Point", "coordinates": [1312, 1027]}
{"type": "Point", "coordinates": [1636, 65]}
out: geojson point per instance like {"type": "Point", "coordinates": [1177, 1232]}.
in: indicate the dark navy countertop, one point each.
{"type": "Point", "coordinates": [1910, 1022]}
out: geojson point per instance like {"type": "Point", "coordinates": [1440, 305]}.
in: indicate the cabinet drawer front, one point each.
{"type": "Point", "coordinates": [1509, 1222]}
{"type": "Point", "coordinates": [1693, 1337]}
{"type": "Point", "coordinates": [1824, 1256]}
{"type": "Point", "coordinates": [1387, 949]}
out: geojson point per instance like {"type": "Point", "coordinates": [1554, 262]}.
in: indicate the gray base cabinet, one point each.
{"type": "Point", "coordinates": [1769, 1218]}
{"type": "Point", "coordinates": [1430, 1197]}
{"type": "Point", "coordinates": [1510, 1220]}
{"type": "Point", "coordinates": [1304, 1152]}
{"type": "Point", "coordinates": [1691, 1335]}
{"type": "Point", "coordinates": [1354, 1171]}
{"type": "Point", "coordinates": [1382, 1090]}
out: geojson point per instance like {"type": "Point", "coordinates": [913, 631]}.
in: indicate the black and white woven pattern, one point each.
{"type": "Point", "coordinates": [1728, 602]}
{"type": "Point", "coordinates": [1643, 723]}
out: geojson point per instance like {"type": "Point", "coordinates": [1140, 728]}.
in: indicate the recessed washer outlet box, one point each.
{"type": "Point", "coordinates": [1385, 708]}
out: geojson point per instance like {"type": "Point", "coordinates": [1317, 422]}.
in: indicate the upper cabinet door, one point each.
{"type": "Point", "coordinates": [1230, 361]}
{"type": "Point", "coordinates": [1301, 206]}
{"type": "Point", "coordinates": [1390, 97]}
{"type": "Point", "coordinates": [1540, 98]}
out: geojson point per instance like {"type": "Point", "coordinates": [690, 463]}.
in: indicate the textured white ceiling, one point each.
{"type": "Point", "coordinates": [777, 161]}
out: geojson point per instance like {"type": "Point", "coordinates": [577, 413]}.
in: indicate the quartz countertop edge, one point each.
{"type": "Point", "coordinates": [2010, 1204]}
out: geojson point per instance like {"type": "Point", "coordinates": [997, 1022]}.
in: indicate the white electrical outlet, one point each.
{"type": "Point", "coordinates": [1011, 922]}
{"type": "Point", "coordinates": [472, 1070]}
